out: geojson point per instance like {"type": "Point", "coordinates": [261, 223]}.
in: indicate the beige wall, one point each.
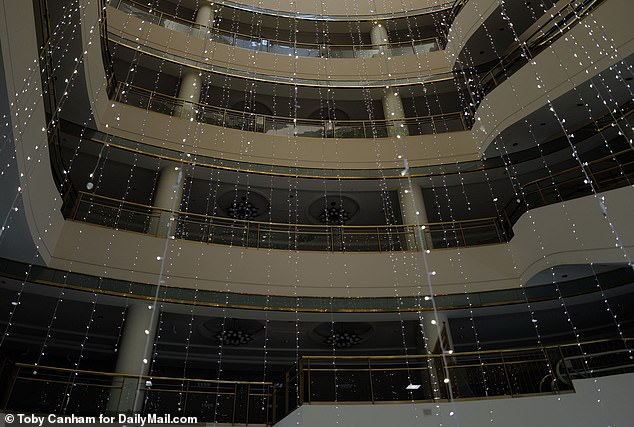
{"type": "Point", "coordinates": [543, 238]}
{"type": "Point", "coordinates": [471, 17]}
{"type": "Point", "coordinates": [327, 153]}
{"type": "Point", "coordinates": [41, 199]}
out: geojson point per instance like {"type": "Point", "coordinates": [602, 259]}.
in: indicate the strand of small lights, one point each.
{"type": "Point", "coordinates": [586, 181]}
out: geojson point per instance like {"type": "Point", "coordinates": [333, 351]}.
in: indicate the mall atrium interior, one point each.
{"type": "Point", "coordinates": [354, 213]}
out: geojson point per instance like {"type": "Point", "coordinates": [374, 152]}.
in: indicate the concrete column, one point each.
{"type": "Point", "coordinates": [133, 358]}
{"type": "Point", "coordinates": [189, 92]}
{"type": "Point", "coordinates": [393, 111]}
{"type": "Point", "coordinates": [378, 36]}
{"type": "Point", "coordinates": [437, 341]}
{"type": "Point", "coordinates": [413, 213]}
{"type": "Point", "coordinates": [167, 197]}
{"type": "Point", "coordinates": [205, 18]}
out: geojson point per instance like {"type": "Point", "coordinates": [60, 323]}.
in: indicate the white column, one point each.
{"type": "Point", "coordinates": [189, 92]}
{"type": "Point", "coordinates": [133, 358]}
{"type": "Point", "coordinates": [378, 36]}
{"type": "Point", "coordinates": [394, 112]}
{"type": "Point", "coordinates": [205, 18]}
{"type": "Point", "coordinates": [167, 197]}
{"type": "Point", "coordinates": [437, 335]}
{"type": "Point", "coordinates": [413, 213]}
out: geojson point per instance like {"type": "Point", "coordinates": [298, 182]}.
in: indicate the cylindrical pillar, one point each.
{"type": "Point", "coordinates": [133, 358]}
{"type": "Point", "coordinates": [394, 112]}
{"type": "Point", "coordinates": [189, 92]}
{"type": "Point", "coordinates": [167, 198]}
{"type": "Point", "coordinates": [205, 19]}
{"type": "Point", "coordinates": [437, 335]}
{"type": "Point", "coordinates": [413, 213]}
{"type": "Point", "coordinates": [379, 37]}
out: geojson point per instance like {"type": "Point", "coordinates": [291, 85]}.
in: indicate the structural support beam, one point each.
{"type": "Point", "coordinates": [189, 91]}
{"type": "Point", "coordinates": [437, 341]}
{"type": "Point", "coordinates": [413, 213]}
{"type": "Point", "coordinates": [394, 112]}
{"type": "Point", "coordinates": [379, 37]}
{"type": "Point", "coordinates": [133, 358]}
{"type": "Point", "coordinates": [205, 19]}
{"type": "Point", "coordinates": [167, 200]}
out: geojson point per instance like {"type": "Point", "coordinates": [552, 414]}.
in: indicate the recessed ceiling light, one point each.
{"type": "Point", "coordinates": [412, 387]}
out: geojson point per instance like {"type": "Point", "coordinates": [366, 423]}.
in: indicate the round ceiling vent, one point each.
{"type": "Point", "coordinates": [333, 210]}
{"type": "Point", "coordinates": [231, 332]}
{"type": "Point", "coordinates": [243, 205]}
{"type": "Point", "coordinates": [342, 335]}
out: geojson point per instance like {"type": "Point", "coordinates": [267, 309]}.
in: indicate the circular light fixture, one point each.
{"type": "Point", "coordinates": [233, 337]}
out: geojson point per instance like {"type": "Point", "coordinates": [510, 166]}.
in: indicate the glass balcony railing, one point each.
{"type": "Point", "coordinates": [280, 47]}
{"type": "Point", "coordinates": [288, 126]}
{"type": "Point", "coordinates": [115, 213]}
{"type": "Point", "coordinates": [609, 172]}
{"type": "Point", "coordinates": [516, 372]}
{"type": "Point", "coordinates": [62, 391]}
{"type": "Point", "coordinates": [479, 375]}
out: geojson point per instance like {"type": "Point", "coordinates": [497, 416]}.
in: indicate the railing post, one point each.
{"type": "Point", "coordinates": [235, 398]}
{"type": "Point", "coordinates": [6, 395]}
{"type": "Point", "coordinates": [464, 240]}
{"type": "Point", "coordinates": [506, 375]}
{"type": "Point", "coordinates": [287, 380]}
{"type": "Point", "coordinates": [76, 207]}
{"type": "Point", "coordinates": [563, 361]}
{"type": "Point", "coordinates": [370, 378]}
{"type": "Point", "coordinates": [300, 381]}
{"type": "Point", "coordinates": [273, 416]}
{"type": "Point", "coordinates": [248, 402]}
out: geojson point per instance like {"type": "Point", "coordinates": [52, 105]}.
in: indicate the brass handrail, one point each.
{"type": "Point", "coordinates": [506, 372]}
{"type": "Point", "coordinates": [266, 122]}
{"type": "Point", "coordinates": [341, 238]}
{"type": "Point", "coordinates": [148, 377]}
{"type": "Point", "coordinates": [472, 353]}
{"type": "Point", "coordinates": [323, 49]}
{"type": "Point", "coordinates": [97, 383]}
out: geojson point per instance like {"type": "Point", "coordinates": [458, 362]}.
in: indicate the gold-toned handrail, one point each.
{"type": "Point", "coordinates": [149, 377]}
{"type": "Point", "coordinates": [274, 224]}
{"type": "Point", "coordinates": [469, 353]}
{"type": "Point", "coordinates": [507, 372]}
{"type": "Point", "coordinates": [328, 127]}
{"type": "Point", "coordinates": [331, 238]}
{"type": "Point", "coordinates": [91, 381]}
{"type": "Point", "coordinates": [321, 48]}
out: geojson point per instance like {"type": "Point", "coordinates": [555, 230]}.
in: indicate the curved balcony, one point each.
{"type": "Point", "coordinates": [567, 17]}
{"type": "Point", "coordinates": [606, 173]}
{"type": "Point", "coordinates": [288, 126]}
{"type": "Point", "coordinates": [516, 372]}
{"type": "Point", "coordinates": [121, 214]}
{"type": "Point", "coordinates": [280, 47]}
{"type": "Point", "coordinates": [75, 281]}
